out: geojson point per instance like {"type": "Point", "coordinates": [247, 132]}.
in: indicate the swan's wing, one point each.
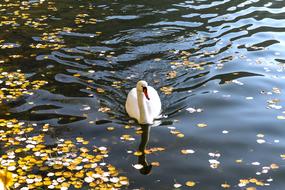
{"type": "Point", "coordinates": [154, 102]}
{"type": "Point", "coordinates": [132, 107]}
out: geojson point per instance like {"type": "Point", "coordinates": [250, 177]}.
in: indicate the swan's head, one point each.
{"type": "Point", "coordinates": [142, 88]}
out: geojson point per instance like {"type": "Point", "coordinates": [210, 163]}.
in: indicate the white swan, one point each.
{"type": "Point", "coordinates": [143, 103]}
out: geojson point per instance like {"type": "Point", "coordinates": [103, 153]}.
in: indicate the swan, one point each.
{"type": "Point", "coordinates": [143, 103]}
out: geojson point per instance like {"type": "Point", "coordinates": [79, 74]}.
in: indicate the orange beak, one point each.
{"type": "Point", "coordinates": [145, 92]}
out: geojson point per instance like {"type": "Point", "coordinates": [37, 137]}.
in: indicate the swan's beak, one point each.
{"type": "Point", "coordinates": [145, 92]}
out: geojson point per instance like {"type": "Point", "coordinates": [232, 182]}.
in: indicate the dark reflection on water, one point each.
{"type": "Point", "coordinates": [226, 59]}
{"type": "Point", "coordinates": [142, 147]}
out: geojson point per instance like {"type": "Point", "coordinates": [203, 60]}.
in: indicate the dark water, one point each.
{"type": "Point", "coordinates": [225, 58]}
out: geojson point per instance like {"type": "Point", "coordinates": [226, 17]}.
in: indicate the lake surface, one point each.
{"type": "Point", "coordinates": [218, 67]}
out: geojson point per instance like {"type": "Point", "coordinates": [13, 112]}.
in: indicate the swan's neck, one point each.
{"type": "Point", "coordinates": [144, 112]}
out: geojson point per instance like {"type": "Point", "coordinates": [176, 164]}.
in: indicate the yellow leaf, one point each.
{"type": "Point", "coordinates": [110, 128]}
{"type": "Point", "coordinates": [171, 75]}
{"type": "Point", "coordinates": [190, 183]}
{"type": "Point", "coordinates": [202, 125]}
{"type": "Point", "coordinates": [155, 164]}
{"type": "Point", "coordinates": [281, 117]}
{"type": "Point", "coordinates": [250, 188]}
{"type": "Point", "coordinates": [104, 109]}
{"type": "Point", "coordinates": [187, 151]}
{"type": "Point", "coordinates": [138, 153]}
{"type": "Point", "coordinates": [225, 185]}
{"type": "Point", "coordinates": [239, 161]}
{"type": "Point", "coordinates": [274, 166]}
{"type": "Point", "coordinates": [167, 90]}
{"type": "Point", "coordinates": [180, 135]}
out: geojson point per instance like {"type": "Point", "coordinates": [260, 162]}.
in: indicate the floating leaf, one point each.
{"type": "Point", "coordinates": [255, 163]}
{"type": "Point", "coordinates": [155, 164]}
{"type": "Point", "coordinates": [260, 141]}
{"type": "Point", "coordinates": [167, 90]}
{"type": "Point", "coordinates": [180, 135]}
{"type": "Point", "coordinates": [280, 117]}
{"type": "Point", "coordinates": [110, 128]}
{"type": "Point", "coordinates": [100, 90]}
{"type": "Point", "coordinates": [276, 90]}
{"type": "Point", "coordinates": [250, 188]}
{"type": "Point", "coordinates": [171, 75]}
{"type": "Point", "coordinates": [190, 183]}
{"type": "Point", "coordinates": [202, 125]}
{"type": "Point", "coordinates": [191, 110]}
{"type": "Point", "coordinates": [239, 161]}
{"type": "Point", "coordinates": [177, 185]}
{"type": "Point", "coordinates": [187, 151]}
{"type": "Point", "coordinates": [274, 166]}
{"type": "Point", "coordinates": [138, 166]}
{"type": "Point", "coordinates": [225, 185]}
{"type": "Point", "coordinates": [138, 153]}
{"type": "Point", "coordinates": [127, 138]}
{"type": "Point", "coordinates": [104, 109]}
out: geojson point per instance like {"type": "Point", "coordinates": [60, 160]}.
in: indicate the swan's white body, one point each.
{"type": "Point", "coordinates": [2, 186]}
{"type": "Point", "coordinates": [142, 107]}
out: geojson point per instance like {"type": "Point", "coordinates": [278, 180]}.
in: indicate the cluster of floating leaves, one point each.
{"type": "Point", "coordinates": [166, 90]}
{"type": "Point", "coordinates": [104, 109]}
{"type": "Point", "coordinates": [194, 110]}
{"type": "Point", "coordinates": [15, 84]}
{"type": "Point", "coordinates": [187, 183]}
{"type": "Point", "coordinates": [149, 151]}
{"type": "Point", "coordinates": [184, 60]}
{"type": "Point", "coordinates": [176, 132]}
{"type": "Point", "coordinates": [214, 163]}
{"type": "Point", "coordinates": [44, 46]}
{"type": "Point", "coordinates": [84, 18]}
{"type": "Point", "coordinates": [67, 163]}
{"type": "Point", "coordinates": [19, 14]}
{"type": "Point", "coordinates": [37, 165]}
{"type": "Point", "coordinates": [171, 75]}
{"type": "Point", "coordinates": [117, 84]}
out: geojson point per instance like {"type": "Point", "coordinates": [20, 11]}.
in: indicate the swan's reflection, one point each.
{"type": "Point", "coordinates": [144, 140]}
{"type": "Point", "coordinates": [142, 158]}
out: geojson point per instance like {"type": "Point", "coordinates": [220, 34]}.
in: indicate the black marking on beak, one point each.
{"type": "Point", "coordinates": [145, 92]}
